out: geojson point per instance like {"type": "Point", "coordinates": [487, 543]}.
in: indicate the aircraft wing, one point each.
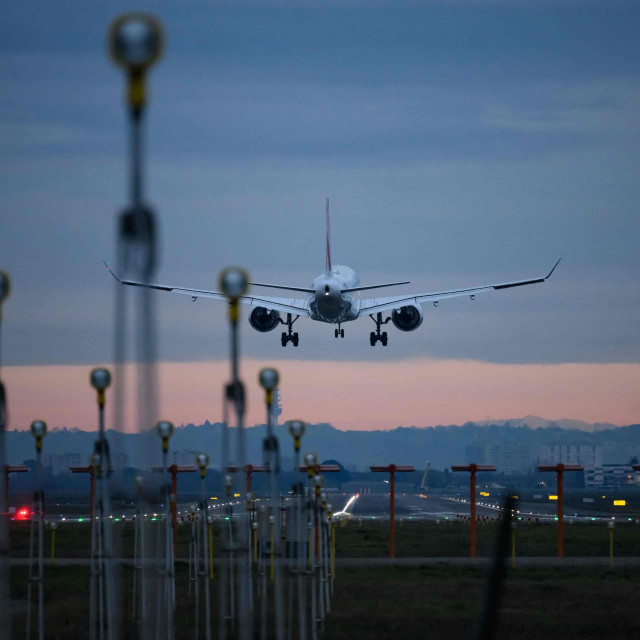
{"type": "Point", "coordinates": [375, 305]}
{"type": "Point", "coordinates": [297, 306]}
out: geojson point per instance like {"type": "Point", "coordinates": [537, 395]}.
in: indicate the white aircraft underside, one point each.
{"type": "Point", "coordinates": [334, 298]}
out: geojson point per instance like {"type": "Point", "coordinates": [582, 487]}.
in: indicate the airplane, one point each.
{"type": "Point", "coordinates": [333, 298]}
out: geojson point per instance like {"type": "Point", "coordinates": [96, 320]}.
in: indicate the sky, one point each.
{"type": "Point", "coordinates": [461, 143]}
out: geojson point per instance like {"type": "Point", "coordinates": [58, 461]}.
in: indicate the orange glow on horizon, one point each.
{"type": "Point", "coordinates": [349, 395]}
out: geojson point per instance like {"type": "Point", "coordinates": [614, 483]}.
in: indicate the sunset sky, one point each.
{"type": "Point", "coordinates": [461, 143]}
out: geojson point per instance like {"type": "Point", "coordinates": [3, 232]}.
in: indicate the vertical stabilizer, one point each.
{"type": "Point", "coordinates": [328, 266]}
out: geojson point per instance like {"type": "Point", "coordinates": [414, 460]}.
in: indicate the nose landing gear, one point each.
{"type": "Point", "coordinates": [339, 332]}
{"type": "Point", "coordinates": [289, 335]}
{"type": "Point", "coordinates": [377, 335]}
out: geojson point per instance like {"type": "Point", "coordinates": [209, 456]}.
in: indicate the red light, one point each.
{"type": "Point", "coordinates": [23, 513]}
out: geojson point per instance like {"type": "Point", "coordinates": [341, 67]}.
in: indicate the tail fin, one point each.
{"type": "Point", "coordinates": [328, 266]}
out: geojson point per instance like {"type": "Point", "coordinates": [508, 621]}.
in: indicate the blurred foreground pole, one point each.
{"type": "Point", "coordinates": [495, 586]}
{"type": "Point", "coordinates": [560, 468]}
{"type": "Point", "coordinates": [5, 617]}
{"type": "Point", "coordinates": [135, 43]}
{"type": "Point", "coordinates": [473, 469]}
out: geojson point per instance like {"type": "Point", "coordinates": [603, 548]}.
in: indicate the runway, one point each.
{"type": "Point", "coordinates": [441, 506]}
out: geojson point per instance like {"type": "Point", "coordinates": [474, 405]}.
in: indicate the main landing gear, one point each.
{"type": "Point", "coordinates": [339, 332]}
{"type": "Point", "coordinates": [376, 335]}
{"type": "Point", "coordinates": [289, 336]}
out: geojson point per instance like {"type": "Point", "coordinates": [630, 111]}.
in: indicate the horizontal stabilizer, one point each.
{"type": "Point", "coordinates": [281, 286]}
{"type": "Point", "coordinates": [374, 286]}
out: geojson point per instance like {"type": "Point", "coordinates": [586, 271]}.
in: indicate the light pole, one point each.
{"type": "Point", "coordinates": [559, 469]}
{"type": "Point", "coordinates": [38, 431]}
{"type": "Point", "coordinates": [392, 469]}
{"type": "Point", "coordinates": [164, 428]}
{"type": "Point", "coordinates": [202, 460]}
{"type": "Point", "coordinates": [269, 379]}
{"type": "Point", "coordinates": [233, 283]}
{"type": "Point", "coordinates": [473, 469]}
{"type": "Point", "coordinates": [102, 553]}
{"type": "Point", "coordinates": [296, 429]}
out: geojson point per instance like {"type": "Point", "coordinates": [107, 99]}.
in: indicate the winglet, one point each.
{"type": "Point", "coordinates": [111, 272]}
{"type": "Point", "coordinates": [554, 268]}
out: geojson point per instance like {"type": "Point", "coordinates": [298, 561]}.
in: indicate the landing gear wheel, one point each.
{"type": "Point", "coordinates": [377, 335]}
{"type": "Point", "coordinates": [289, 336]}
{"type": "Point", "coordinates": [342, 333]}
{"type": "Point", "coordinates": [336, 333]}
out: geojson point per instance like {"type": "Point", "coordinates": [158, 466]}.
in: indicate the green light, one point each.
{"type": "Point", "coordinates": [519, 517]}
{"type": "Point", "coordinates": [227, 518]}
{"type": "Point", "coordinates": [556, 518]}
{"type": "Point", "coordinates": [117, 519]}
{"type": "Point", "coordinates": [153, 519]}
{"type": "Point", "coordinates": [592, 519]}
{"type": "Point", "coordinates": [80, 519]}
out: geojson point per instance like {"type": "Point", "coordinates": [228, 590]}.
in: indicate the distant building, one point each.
{"type": "Point", "coordinates": [60, 462]}
{"type": "Point", "coordinates": [119, 461]}
{"type": "Point", "coordinates": [507, 457]}
{"type": "Point", "coordinates": [185, 457]}
{"type": "Point", "coordinates": [618, 475]}
{"type": "Point", "coordinates": [588, 455]}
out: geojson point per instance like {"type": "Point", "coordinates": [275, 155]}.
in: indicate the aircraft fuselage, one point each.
{"type": "Point", "coordinates": [329, 303]}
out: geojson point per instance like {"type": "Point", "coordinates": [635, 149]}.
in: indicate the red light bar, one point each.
{"type": "Point", "coordinates": [561, 467]}
{"type": "Point", "coordinates": [322, 468]}
{"type": "Point", "coordinates": [393, 468]}
{"type": "Point", "coordinates": [473, 467]}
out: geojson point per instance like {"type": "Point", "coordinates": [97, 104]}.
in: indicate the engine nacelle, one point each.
{"type": "Point", "coordinates": [407, 318]}
{"type": "Point", "coordinates": [264, 320]}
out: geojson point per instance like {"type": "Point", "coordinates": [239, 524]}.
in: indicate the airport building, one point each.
{"type": "Point", "coordinates": [508, 457]}
{"type": "Point", "coordinates": [589, 456]}
{"type": "Point", "coordinates": [60, 462]}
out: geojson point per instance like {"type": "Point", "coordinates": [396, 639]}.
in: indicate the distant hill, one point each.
{"type": "Point", "coordinates": [536, 422]}
{"type": "Point", "coordinates": [441, 445]}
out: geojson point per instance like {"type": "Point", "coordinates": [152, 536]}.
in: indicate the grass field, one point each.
{"type": "Point", "coordinates": [428, 602]}
{"type": "Point", "coordinates": [420, 602]}
{"type": "Point", "coordinates": [414, 538]}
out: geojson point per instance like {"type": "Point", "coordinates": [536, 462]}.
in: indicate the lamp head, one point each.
{"type": "Point", "coordinates": [164, 429]}
{"type": "Point", "coordinates": [100, 379]}
{"type": "Point", "coordinates": [233, 282]}
{"type": "Point", "coordinates": [296, 428]}
{"type": "Point", "coordinates": [136, 41]}
{"type": "Point", "coordinates": [202, 460]}
{"type": "Point", "coordinates": [268, 379]}
{"type": "Point", "coordinates": [38, 428]}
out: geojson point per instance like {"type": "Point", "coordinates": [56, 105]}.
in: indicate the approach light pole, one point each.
{"type": "Point", "coordinates": [473, 469]}
{"type": "Point", "coordinates": [560, 468]}
{"type": "Point", "coordinates": [392, 469]}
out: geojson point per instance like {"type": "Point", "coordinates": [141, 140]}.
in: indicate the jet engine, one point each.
{"type": "Point", "coordinates": [264, 320]}
{"type": "Point", "coordinates": [407, 318]}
